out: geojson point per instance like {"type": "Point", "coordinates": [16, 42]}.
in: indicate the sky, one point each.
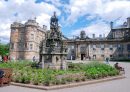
{"type": "Point", "coordinates": [92, 16]}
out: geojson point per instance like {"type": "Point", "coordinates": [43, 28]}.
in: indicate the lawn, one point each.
{"type": "Point", "coordinates": [24, 73]}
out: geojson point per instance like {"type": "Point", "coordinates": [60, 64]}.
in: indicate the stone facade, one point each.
{"type": "Point", "coordinates": [115, 46]}
{"type": "Point", "coordinates": [25, 39]}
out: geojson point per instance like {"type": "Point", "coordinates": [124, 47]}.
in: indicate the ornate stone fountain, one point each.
{"type": "Point", "coordinates": [53, 50]}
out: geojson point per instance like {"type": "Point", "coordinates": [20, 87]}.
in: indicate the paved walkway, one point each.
{"type": "Point", "coordinates": [121, 85]}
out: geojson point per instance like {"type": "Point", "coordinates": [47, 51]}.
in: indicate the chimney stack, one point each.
{"type": "Point", "coordinates": [128, 22]}
{"type": "Point", "coordinates": [93, 35]}
{"type": "Point", "coordinates": [111, 25]}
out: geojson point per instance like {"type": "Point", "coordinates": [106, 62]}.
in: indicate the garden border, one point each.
{"type": "Point", "coordinates": [68, 85]}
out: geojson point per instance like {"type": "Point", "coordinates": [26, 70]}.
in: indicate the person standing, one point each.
{"type": "Point", "coordinates": [5, 59]}
{"type": "Point", "coordinates": [34, 59]}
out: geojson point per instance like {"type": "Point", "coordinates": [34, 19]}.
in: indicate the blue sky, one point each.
{"type": "Point", "coordinates": [92, 16]}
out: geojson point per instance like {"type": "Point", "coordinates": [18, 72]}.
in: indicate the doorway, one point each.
{"type": "Point", "coordinates": [82, 56]}
{"type": "Point", "coordinates": [94, 57]}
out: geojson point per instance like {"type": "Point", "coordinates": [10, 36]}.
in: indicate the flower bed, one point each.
{"type": "Point", "coordinates": [24, 73]}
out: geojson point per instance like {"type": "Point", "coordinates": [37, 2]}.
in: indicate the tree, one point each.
{"type": "Point", "coordinates": [4, 49]}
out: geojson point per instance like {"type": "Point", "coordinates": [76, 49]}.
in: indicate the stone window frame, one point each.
{"type": "Point", "coordinates": [110, 47]}
{"type": "Point", "coordinates": [128, 47]}
{"type": "Point", "coordinates": [37, 38]}
{"type": "Point", "coordinates": [25, 45]}
{"type": "Point", "coordinates": [31, 47]}
{"type": "Point", "coordinates": [12, 45]}
{"type": "Point", "coordinates": [94, 47]}
{"type": "Point", "coordinates": [111, 56]}
{"type": "Point", "coordinates": [102, 57]}
{"type": "Point", "coordinates": [22, 30]}
{"type": "Point", "coordinates": [21, 37]}
{"type": "Point", "coordinates": [20, 47]}
{"type": "Point", "coordinates": [37, 48]}
{"type": "Point", "coordinates": [118, 36]}
{"type": "Point", "coordinates": [117, 31]}
{"type": "Point", "coordinates": [32, 28]}
{"type": "Point", "coordinates": [102, 49]}
{"type": "Point", "coordinates": [32, 37]}
{"type": "Point", "coordinates": [120, 56]}
{"type": "Point", "coordinates": [128, 56]}
{"type": "Point", "coordinates": [119, 48]}
{"type": "Point", "coordinates": [14, 30]}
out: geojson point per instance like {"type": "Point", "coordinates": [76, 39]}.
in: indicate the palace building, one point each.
{"type": "Point", "coordinates": [25, 40]}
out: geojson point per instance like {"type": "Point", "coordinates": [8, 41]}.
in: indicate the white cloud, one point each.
{"type": "Point", "coordinates": [24, 8]}
{"type": "Point", "coordinates": [108, 10]}
{"type": "Point", "coordinates": [97, 28]}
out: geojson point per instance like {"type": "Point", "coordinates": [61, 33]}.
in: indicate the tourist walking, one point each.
{"type": "Point", "coordinates": [34, 59]}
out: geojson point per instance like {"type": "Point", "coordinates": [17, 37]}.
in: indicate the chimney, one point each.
{"type": "Point", "coordinates": [104, 35]}
{"type": "Point", "coordinates": [128, 22]}
{"type": "Point", "coordinates": [111, 25]}
{"type": "Point", "coordinates": [45, 27]}
{"type": "Point", "coordinates": [93, 35]}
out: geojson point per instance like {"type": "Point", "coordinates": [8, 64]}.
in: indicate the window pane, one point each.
{"type": "Point", "coordinates": [119, 47]}
{"type": "Point", "coordinates": [128, 46]}
{"type": "Point", "coordinates": [111, 47]}
{"type": "Point", "coordinates": [118, 36]}
{"type": "Point", "coordinates": [31, 46]}
{"type": "Point", "coordinates": [102, 47]}
{"type": "Point", "coordinates": [94, 47]}
{"type": "Point", "coordinates": [20, 47]}
{"type": "Point", "coordinates": [21, 37]}
{"type": "Point", "coordinates": [32, 36]}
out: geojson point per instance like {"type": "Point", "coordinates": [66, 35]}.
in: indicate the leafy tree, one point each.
{"type": "Point", "coordinates": [4, 49]}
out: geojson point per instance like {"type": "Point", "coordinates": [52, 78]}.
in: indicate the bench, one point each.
{"type": "Point", "coordinates": [120, 69]}
{"type": "Point", "coordinates": [6, 76]}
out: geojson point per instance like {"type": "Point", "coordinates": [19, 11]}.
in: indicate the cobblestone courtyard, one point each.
{"type": "Point", "coordinates": [121, 85]}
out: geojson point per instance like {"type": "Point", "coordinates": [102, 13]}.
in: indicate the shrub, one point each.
{"type": "Point", "coordinates": [84, 78]}
{"type": "Point", "coordinates": [36, 80]}
{"type": "Point", "coordinates": [77, 79]}
{"type": "Point", "coordinates": [47, 82]}
{"type": "Point", "coordinates": [63, 80]}
{"type": "Point", "coordinates": [69, 79]}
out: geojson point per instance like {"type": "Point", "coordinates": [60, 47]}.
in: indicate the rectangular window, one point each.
{"type": "Point", "coordinates": [14, 29]}
{"type": "Point", "coordinates": [12, 45]}
{"type": "Point", "coordinates": [21, 37]}
{"type": "Point", "coordinates": [102, 47]}
{"type": "Point", "coordinates": [120, 56]}
{"type": "Point", "coordinates": [126, 30]}
{"type": "Point", "coordinates": [22, 30]}
{"type": "Point", "coordinates": [32, 28]}
{"type": "Point", "coordinates": [128, 47]}
{"type": "Point", "coordinates": [31, 46]}
{"type": "Point", "coordinates": [25, 45]}
{"type": "Point", "coordinates": [111, 47]}
{"type": "Point", "coordinates": [20, 47]}
{"type": "Point", "coordinates": [32, 36]}
{"type": "Point", "coordinates": [37, 38]}
{"type": "Point", "coordinates": [119, 47]}
{"type": "Point", "coordinates": [118, 36]}
{"type": "Point", "coordinates": [128, 56]}
{"type": "Point", "coordinates": [72, 48]}
{"type": "Point", "coordinates": [111, 56]}
{"type": "Point", "coordinates": [37, 47]}
{"type": "Point", "coordinates": [94, 47]}
{"type": "Point", "coordinates": [102, 56]}
{"type": "Point", "coordinates": [117, 31]}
